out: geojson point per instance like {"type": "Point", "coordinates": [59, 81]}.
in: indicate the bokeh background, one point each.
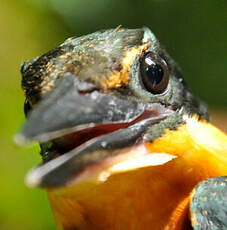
{"type": "Point", "coordinates": [194, 32]}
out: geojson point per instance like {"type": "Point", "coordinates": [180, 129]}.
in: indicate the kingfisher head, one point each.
{"type": "Point", "coordinates": [95, 97]}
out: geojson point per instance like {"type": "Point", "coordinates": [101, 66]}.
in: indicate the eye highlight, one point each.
{"type": "Point", "coordinates": [154, 73]}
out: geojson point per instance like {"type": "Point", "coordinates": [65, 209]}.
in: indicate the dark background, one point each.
{"type": "Point", "coordinates": [194, 33]}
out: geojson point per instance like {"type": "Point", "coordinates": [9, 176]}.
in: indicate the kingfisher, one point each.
{"type": "Point", "coordinates": [125, 144]}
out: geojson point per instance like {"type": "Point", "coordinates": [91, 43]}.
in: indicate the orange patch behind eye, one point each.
{"type": "Point", "coordinates": [118, 79]}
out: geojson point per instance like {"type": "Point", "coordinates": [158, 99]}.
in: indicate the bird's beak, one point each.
{"type": "Point", "coordinates": [85, 128]}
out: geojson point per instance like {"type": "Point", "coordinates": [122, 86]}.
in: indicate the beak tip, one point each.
{"type": "Point", "coordinates": [32, 179]}
{"type": "Point", "coordinates": [20, 139]}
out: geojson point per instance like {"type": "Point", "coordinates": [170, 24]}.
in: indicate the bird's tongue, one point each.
{"type": "Point", "coordinates": [75, 139]}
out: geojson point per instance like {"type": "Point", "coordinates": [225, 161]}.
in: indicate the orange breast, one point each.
{"type": "Point", "coordinates": [151, 197]}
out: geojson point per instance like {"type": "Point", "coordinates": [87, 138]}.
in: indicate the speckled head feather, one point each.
{"type": "Point", "coordinates": [93, 90]}
{"type": "Point", "coordinates": [110, 61]}
{"type": "Point", "coordinates": [102, 58]}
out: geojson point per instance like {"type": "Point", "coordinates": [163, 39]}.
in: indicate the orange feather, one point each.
{"type": "Point", "coordinates": [149, 197]}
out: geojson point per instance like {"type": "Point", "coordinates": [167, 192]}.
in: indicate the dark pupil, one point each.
{"type": "Point", "coordinates": [154, 73]}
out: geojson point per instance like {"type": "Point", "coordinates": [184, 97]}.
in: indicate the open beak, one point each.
{"type": "Point", "coordinates": [84, 128]}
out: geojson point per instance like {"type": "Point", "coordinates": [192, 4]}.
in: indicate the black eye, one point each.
{"type": "Point", "coordinates": [154, 73]}
{"type": "Point", "coordinates": [27, 107]}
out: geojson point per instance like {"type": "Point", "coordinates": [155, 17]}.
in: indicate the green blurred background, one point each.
{"type": "Point", "coordinates": [194, 32]}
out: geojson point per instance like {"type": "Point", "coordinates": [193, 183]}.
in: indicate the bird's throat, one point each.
{"type": "Point", "coordinates": [155, 195]}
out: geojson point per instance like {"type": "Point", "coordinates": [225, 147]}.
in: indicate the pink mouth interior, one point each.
{"type": "Point", "coordinates": [73, 140]}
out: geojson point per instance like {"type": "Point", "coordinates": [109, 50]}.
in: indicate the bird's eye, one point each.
{"type": "Point", "coordinates": [154, 73]}
{"type": "Point", "coordinates": [27, 107]}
